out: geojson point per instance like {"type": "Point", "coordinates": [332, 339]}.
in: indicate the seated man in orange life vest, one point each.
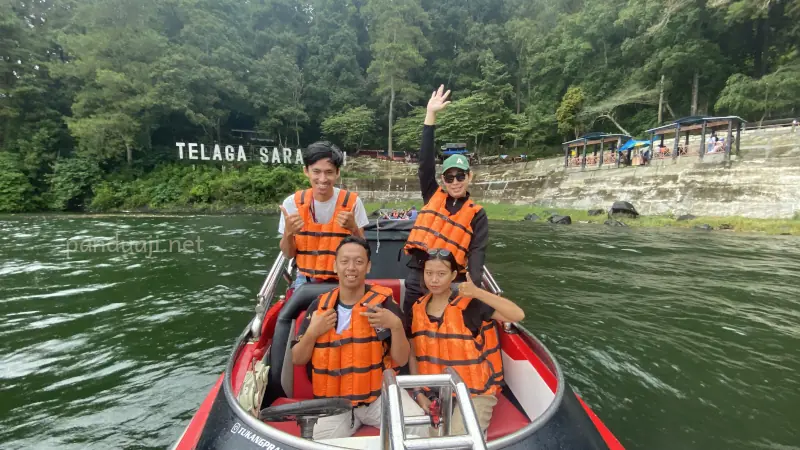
{"type": "Point", "coordinates": [458, 330]}
{"type": "Point", "coordinates": [315, 220]}
{"type": "Point", "coordinates": [351, 335]}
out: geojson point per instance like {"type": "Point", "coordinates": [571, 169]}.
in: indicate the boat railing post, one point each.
{"type": "Point", "coordinates": [393, 423]}
{"type": "Point", "coordinates": [384, 429]}
{"type": "Point", "coordinates": [446, 395]}
{"type": "Point", "coordinates": [265, 294]}
{"type": "Point", "coordinates": [471, 424]}
{"type": "Point", "coordinates": [489, 282]}
{"type": "Point", "coordinates": [286, 272]}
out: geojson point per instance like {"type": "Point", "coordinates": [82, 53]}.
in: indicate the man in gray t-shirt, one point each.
{"type": "Point", "coordinates": [317, 215]}
{"type": "Point", "coordinates": [324, 210]}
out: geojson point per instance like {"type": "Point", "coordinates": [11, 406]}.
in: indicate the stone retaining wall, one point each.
{"type": "Point", "coordinates": [762, 182]}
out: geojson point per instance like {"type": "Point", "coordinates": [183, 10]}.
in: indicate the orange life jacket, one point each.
{"type": "Point", "coordinates": [351, 364]}
{"type": "Point", "coordinates": [476, 359]}
{"type": "Point", "coordinates": [436, 228]}
{"type": "Point", "coordinates": [316, 242]}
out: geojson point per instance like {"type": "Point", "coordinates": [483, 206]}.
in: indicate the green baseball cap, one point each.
{"type": "Point", "coordinates": [456, 162]}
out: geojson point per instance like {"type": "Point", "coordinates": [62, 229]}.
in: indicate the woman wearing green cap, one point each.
{"type": "Point", "coordinates": [450, 219]}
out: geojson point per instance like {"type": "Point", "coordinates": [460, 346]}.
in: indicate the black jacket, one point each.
{"type": "Point", "coordinates": [476, 255]}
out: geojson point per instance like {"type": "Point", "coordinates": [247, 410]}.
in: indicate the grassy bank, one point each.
{"type": "Point", "coordinates": [503, 211]}
{"type": "Point", "coordinates": [500, 211]}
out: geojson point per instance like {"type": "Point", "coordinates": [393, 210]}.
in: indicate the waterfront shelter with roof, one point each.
{"type": "Point", "coordinates": [701, 125]}
{"type": "Point", "coordinates": [600, 141]}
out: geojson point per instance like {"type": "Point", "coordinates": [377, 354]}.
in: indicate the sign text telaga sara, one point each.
{"type": "Point", "coordinates": [230, 153]}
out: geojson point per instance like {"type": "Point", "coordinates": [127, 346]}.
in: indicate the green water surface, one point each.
{"type": "Point", "coordinates": [678, 339]}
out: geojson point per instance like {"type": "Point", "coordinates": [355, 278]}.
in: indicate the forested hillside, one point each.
{"type": "Point", "coordinates": [95, 93]}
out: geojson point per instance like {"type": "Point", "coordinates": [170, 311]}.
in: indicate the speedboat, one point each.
{"type": "Point", "coordinates": [536, 409]}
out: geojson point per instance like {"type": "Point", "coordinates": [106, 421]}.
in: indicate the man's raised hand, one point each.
{"type": "Point", "coordinates": [438, 100]}
{"type": "Point", "coordinates": [293, 223]}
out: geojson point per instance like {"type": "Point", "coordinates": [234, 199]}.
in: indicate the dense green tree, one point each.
{"type": "Point", "coordinates": [15, 189]}
{"type": "Point", "coordinates": [72, 180]}
{"type": "Point", "coordinates": [408, 129]}
{"type": "Point", "coordinates": [483, 117]}
{"type": "Point", "coordinates": [397, 46]}
{"type": "Point", "coordinates": [350, 127]}
{"type": "Point", "coordinates": [757, 99]}
{"type": "Point", "coordinates": [336, 80]}
{"type": "Point", "coordinates": [569, 110]}
{"type": "Point", "coordinates": [108, 86]}
{"type": "Point", "coordinates": [32, 104]}
{"type": "Point", "coordinates": [279, 85]}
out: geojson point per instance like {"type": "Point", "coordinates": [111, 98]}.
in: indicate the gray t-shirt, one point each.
{"type": "Point", "coordinates": [323, 211]}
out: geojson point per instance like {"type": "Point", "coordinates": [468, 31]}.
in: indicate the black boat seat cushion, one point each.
{"type": "Point", "coordinates": [280, 361]}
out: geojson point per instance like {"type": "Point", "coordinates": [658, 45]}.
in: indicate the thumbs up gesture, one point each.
{"type": "Point", "coordinates": [468, 288]}
{"type": "Point", "coordinates": [347, 220]}
{"type": "Point", "coordinates": [293, 223]}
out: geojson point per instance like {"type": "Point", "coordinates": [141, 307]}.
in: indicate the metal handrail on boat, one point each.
{"type": "Point", "coordinates": [270, 283]}
{"type": "Point", "coordinates": [266, 293]}
{"type": "Point", "coordinates": [393, 421]}
{"type": "Point", "coordinates": [489, 282]}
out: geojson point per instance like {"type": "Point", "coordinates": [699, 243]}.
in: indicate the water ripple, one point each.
{"type": "Point", "coordinates": [677, 339]}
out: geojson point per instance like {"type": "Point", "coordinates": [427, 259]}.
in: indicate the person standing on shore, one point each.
{"type": "Point", "coordinates": [449, 219]}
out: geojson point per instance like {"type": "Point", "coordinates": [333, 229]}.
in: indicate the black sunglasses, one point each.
{"type": "Point", "coordinates": [460, 176]}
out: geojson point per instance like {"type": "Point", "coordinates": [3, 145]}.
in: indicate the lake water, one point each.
{"type": "Point", "coordinates": [678, 339]}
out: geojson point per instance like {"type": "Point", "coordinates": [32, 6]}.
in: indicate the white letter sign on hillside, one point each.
{"type": "Point", "coordinates": [199, 152]}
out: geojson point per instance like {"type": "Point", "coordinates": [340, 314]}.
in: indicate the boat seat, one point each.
{"type": "Point", "coordinates": [301, 382]}
{"type": "Point", "coordinates": [506, 419]}
{"type": "Point", "coordinates": [298, 376]}
{"type": "Point", "coordinates": [397, 285]}
{"type": "Point", "coordinates": [280, 374]}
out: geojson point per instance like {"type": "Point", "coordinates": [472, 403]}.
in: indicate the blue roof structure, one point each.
{"type": "Point", "coordinates": [634, 143]}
